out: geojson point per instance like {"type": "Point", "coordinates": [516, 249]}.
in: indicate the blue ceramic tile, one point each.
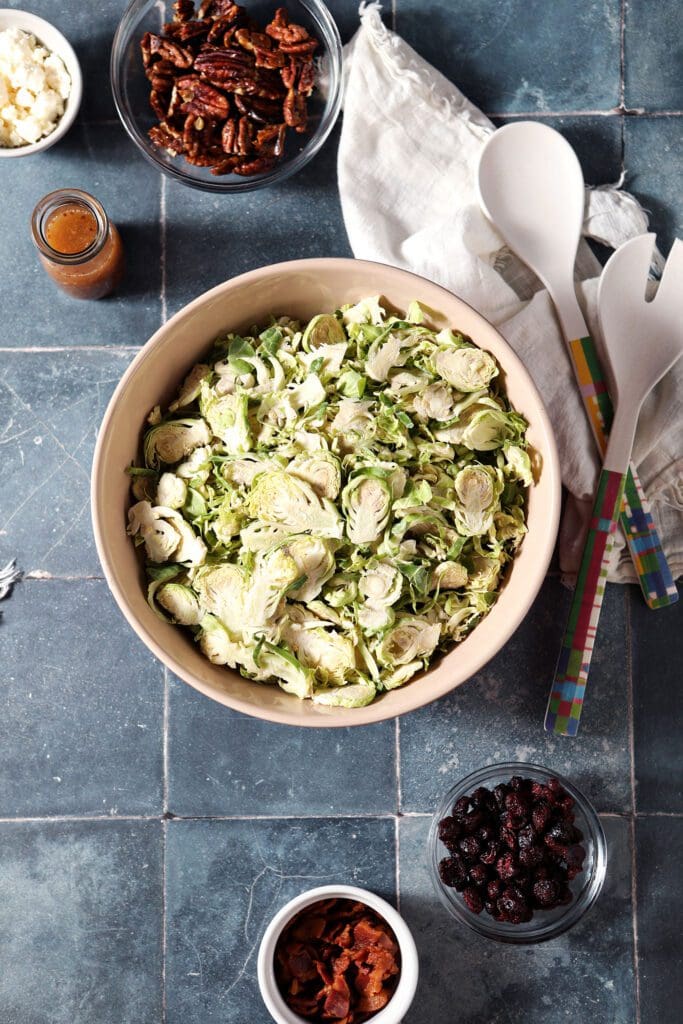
{"type": "Point", "coordinates": [222, 763]}
{"type": "Point", "coordinates": [224, 882]}
{"type": "Point", "coordinates": [498, 714]}
{"type": "Point", "coordinates": [512, 55]}
{"type": "Point", "coordinates": [80, 730]}
{"type": "Point", "coordinates": [80, 923]}
{"type": "Point", "coordinates": [212, 238]}
{"type": "Point", "coordinates": [659, 845]}
{"type": "Point", "coordinates": [101, 160]}
{"type": "Point", "coordinates": [51, 405]}
{"type": "Point", "coordinates": [585, 974]}
{"type": "Point", "coordinates": [653, 55]}
{"type": "Point", "coordinates": [90, 30]}
{"type": "Point", "coordinates": [596, 140]}
{"type": "Point", "coordinates": [657, 647]}
{"type": "Point", "coordinates": [652, 155]}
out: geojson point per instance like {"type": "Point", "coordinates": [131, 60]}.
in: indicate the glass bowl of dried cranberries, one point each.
{"type": "Point", "coordinates": [517, 853]}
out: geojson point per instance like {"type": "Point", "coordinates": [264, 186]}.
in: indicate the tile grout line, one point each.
{"type": "Point", "coordinates": [359, 815]}
{"type": "Point", "coordinates": [164, 928]}
{"type": "Point", "coordinates": [622, 62]}
{"type": "Point", "coordinates": [164, 744]}
{"type": "Point", "coordinates": [634, 805]}
{"type": "Point", "coordinates": [43, 349]}
{"type": "Point", "coordinates": [397, 838]}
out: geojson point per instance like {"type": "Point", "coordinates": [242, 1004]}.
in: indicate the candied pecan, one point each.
{"type": "Point", "coordinates": [161, 75]}
{"type": "Point", "coordinates": [159, 102]}
{"type": "Point", "coordinates": [281, 29]}
{"type": "Point", "coordinates": [259, 165]}
{"type": "Point", "coordinates": [305, 47]}
{"type": "Point", "coordinates": [183, 10]}
{"type": "Point", "coordinates": [258, 109]}
{"type": "Point", "coordinates": [271, 140]}
{"type": "Point", "coordinates": [236, 137]}
{"type": "Point", "coordinates": [192, 31]}
{"type": "Point", "coordinates": [201, 98]}
{"type": "Point", "coordinates": [167, 137]}
{"type": "Point", "coordinates": [306, 79]}
{"type": "Point", "coordinates": [166, 49]}
{"type": "Point", "coordinates": [294, 111]}
{"type": "Point", "coordinates": [146, 49]}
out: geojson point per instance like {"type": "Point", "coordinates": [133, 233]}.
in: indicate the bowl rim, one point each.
{"type": "Point", "coordinates": [373, 712]}
{"type": "Point", "coordinates": [398, 1005]}
{"type": "Point", "coordinates": [483, 924]}
{"type": "Point", "coordinates": [33, 23]}
{"type": "Point", "coordinates": [281, 172]}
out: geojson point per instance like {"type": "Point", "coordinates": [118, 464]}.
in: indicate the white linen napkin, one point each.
{"type": "Point", "coordinates": [408, 155]}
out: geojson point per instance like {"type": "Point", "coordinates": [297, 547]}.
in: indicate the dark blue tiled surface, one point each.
{"type": "Point", "coordinates": [211, 238]}
{"type": "Point", "coordinates": [51, 405]}
{"type": "Point", "coordinates": [652, 155]}
{"type": "Point", "coordinates": [516, 55]}
{"type": "Point", "coordinates": [226, 879]}
{"type": "Point", "coordinates": [228, 764]}
{"type": "Point", "coordinates": [585, 974]}
{"type": "Point", "coordinates": [659, 843]}
{"type": "Point", "coordinates": [658, 718]}
{"type": "Point", "coordinates": [80, 922]}
{"type": "Point", "coordinates": [101, 160]}
{"type": "Point", "coordinates": [498, 715]}
{"type": "Point", "coordinates": [653, 55]}
{"type": "Point", "coordinates": [82, 699]}
{"type": "Point", "coordinates": [596, 140]}
{"type": "Point", "coordinates": [85, 731]}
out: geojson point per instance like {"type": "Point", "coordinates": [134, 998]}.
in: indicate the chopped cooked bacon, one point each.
{"type": "Point", "coordinates": [337, 962]}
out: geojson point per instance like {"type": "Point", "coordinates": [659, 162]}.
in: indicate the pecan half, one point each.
{"type": "Point", "coordinates": [307, 46]}
{"type": "Point", "coordinates": [159, 103]}
{"type": "Point", "coordinates": [167, 138]}
{"type": "Point", "coordinates": [281, 29]}
{"type": "Point", "coordinates": [271, 140]}
{"type": "Point", "coordinates": [258, 166]}
{"type": "Point", "coordinates": [201, 98]}
{"type": "Point", "coordinates": [294, 111]}
{"type": "Point", "coordinates": [259, 110]}
{"type": "Point", "coordinates": [166, 49]}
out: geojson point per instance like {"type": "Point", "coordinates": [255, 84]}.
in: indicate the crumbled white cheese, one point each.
{"type": "Point", "coordinates": [34, 84]}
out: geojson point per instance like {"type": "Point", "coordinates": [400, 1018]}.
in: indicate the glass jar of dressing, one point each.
{"type": "Point", "coordinates": [78, 246]}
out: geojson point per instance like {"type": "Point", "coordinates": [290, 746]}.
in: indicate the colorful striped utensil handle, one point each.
{"type": "Point", "coordinates": [647, 554]}
{"type": "Point", "coordinates": [571, 675]}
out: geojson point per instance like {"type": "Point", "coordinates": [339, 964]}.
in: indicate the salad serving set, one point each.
{"type": "Point", "coordinates": [327, 492]}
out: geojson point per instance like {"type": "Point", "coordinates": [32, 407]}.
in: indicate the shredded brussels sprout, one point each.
{"type": "Point", "coordinates": [331, 505]}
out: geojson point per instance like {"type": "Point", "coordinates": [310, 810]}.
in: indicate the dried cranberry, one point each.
{"type": "Point", "coordinates": [490, 907]}
{"type": "Point", "coordinates": [541, 815]}
{"type": "Point", "coordinates": [450, 831]}
{"type": "Point", "coordinates": [499, 794]}
{"type": "Point", "coordinates": [526, 837]}
{"type": "Point", "coordinates": [517, 782]}
{"type": "Point", "coordinates": [452, 872]}
{"type": "Point", "coordinates": [546, 893]}
{"type": "Point", "coordinates": [494, 888]}
{"type": "Point", "coordinates": [531, 856]}
{"type": "Point", "coordinates": [490, 853]}
{"type": "Point", "coordinates": [482, 798]}
{"type": "Point", "coordinates": [539, 791]}
{"type": "Point", "coordinates": [561, 833]}
{"type": "Point", "coordinates": [478, 874]}
{"type": "Point", "coordinates": [508, 819]}
{"type": "Point", "coordinates": [461, 807]}
{"type": "Point", "coordinates": [486, 833]}
{"type": "Point", "coordinates": [513, 905]}
{"type": "Point", "coordinates": [507, 866]}
{"type": "Point", "coordinates": [473, 900]}
{"type": "Point", "coordinates": [469, 847]}
{"type": "Point", "coordinates": [509, 838]}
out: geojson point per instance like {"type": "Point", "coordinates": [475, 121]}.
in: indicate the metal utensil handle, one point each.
{"type": "Point", "coordinates": [571, 675]}
{"type": "Point", "coordinates": [647, 554]}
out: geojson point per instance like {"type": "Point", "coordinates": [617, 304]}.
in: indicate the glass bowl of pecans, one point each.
{"type": "Point", "coordinates": [517, 853]}
{"type": "Point", "coordinates": [227, 97]}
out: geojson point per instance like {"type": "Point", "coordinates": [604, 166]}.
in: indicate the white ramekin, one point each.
{"type": "Point", "coordinates": [396, 1008]}
{"type": "Point", "coordinates": [53, 40]}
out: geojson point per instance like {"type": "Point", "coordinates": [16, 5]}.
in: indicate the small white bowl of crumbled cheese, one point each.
{"type": "Point", "coordinates": [40, 84]}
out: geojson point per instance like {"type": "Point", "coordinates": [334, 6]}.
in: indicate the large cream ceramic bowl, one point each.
{"type": "Point", "coordinates": [301, 289]}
